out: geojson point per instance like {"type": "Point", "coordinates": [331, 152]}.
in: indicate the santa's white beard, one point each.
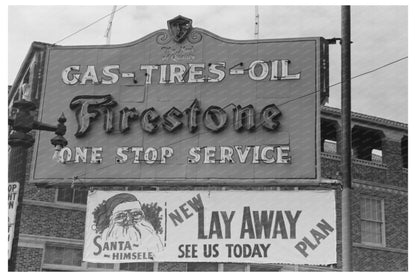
{"type": "Point", "coordinates": [128, 232]}
{"type": "Point", "coordinates": [141, 233]}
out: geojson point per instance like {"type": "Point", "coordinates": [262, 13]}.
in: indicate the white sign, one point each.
{"type": "Point", "coordinates": [296, 227]}
{"type": "Point", "coordinates": [12, 203]}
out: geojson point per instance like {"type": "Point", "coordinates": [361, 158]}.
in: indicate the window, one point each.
{"type": "Point", "coordinates": [137, 266]}
{"type": "Point", "coordinates": [61, 255]}
{"type": "Point", "coordinates": [234, 267]}
{"type": "Point", "coordinates": [329, 135]}
{"type": "Point", "coordinates": [265, 268]}
{"type": "Point", "coordinates": [69, 258]}
{"type": "Point", "coordinates": [202, 267]}
{"type": "Point", "coordinates": [367, 143]}
{"type": "Point", "coordinates": [372, 221]}
{"type": "Point", "coordinates": [72, 195]}
{"type": "Point", "coordinates": [404, 145]}
{"type": "Point", "coordinates": [100, 266]}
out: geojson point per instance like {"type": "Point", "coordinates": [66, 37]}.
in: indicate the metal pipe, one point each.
{"type": "Point", "coordinates": [346, 137]}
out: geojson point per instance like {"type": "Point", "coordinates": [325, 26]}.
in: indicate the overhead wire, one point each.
{"type": "Point", "coordinates": [291, 100]}
{"type": "Point", "coordinates": [354, 77]}
{"type": "Point", "coordinates": [283, 103]}
{"type": "Point", "coordinates": [373, 70]}
{"type": "Point", "coordinates": [89, 25]}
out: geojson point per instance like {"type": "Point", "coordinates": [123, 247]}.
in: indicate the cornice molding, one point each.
{"type": "Point", "coordinates": [38, 241]}
{"type": "Point", "coordinates": [367, 118]}
{"type": "Point", "coordinates": [56, 205]}
{"type": "Point", "coordinates": [380, 248]}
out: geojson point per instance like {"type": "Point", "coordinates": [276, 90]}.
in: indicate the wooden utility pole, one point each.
{"type": "Point", "coordinates": [346, 137]}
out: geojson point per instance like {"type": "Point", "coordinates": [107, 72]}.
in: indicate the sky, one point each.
{"type": "Point", "coordinates": [379, 35]}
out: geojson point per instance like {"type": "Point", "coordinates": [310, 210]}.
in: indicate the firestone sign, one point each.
{"type": "Point", "coordinates": [184, 105]}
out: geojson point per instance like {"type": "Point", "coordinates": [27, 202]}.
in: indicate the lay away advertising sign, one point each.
{"type": "Point", "coordinates": [296, 227]}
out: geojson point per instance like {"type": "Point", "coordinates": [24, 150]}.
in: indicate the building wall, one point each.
{"type": "Point", "coordinates": [30, 259]}
{"type": "Point", "coordinates": [369, 259]}
{"type": "Point", "coordinates": [53, 222]}
{"type": "Point", "coordinates": [43, 219]}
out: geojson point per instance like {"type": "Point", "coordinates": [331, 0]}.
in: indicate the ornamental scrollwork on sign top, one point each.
{"type": "Point", "coordinates": [194, 36]}
{"type": "Point", "coordinates": [163, 37]}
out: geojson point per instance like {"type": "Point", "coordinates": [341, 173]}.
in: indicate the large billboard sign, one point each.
{"type": "Point", "coordinates": [296, 227]}
{"type": "Point", "coordinates": [184, 106]}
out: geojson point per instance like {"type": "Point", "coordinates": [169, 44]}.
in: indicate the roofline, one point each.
{"type": "Point", "coordinates": [366, 118]}
{"type": "Point", "coordinates": [34, 48]}
{"type": "Point", "coordinates": [195, 30]}
{"type": "Point", "coordinates": [40, 46]}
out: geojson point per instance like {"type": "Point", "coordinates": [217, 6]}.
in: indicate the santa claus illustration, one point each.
{"type": "Point", "coordinates": [121, 218]}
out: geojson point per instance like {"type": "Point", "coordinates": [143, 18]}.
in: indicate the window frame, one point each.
{"type": "Point", "coordinates": [247, 267]}
{"type": "Point", "coordinates": [71, 204]}
{"type": "Point", "coordinates": [124, 270]}
{"type": "Point", "coordinates": [116, 267]}
{"type": "Point", "coordinates": [266, 267]}
{"type": "Point", "coordinates": [382, 222]}
{"type": "Point", "coordinates": [62, 267]}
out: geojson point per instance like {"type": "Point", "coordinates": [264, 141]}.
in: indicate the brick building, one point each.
{"type": "Point", "coordinates": [52, 219]}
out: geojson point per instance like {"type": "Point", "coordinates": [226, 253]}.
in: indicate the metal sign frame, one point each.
{"type": "Point", "coordinates": [321, 90]}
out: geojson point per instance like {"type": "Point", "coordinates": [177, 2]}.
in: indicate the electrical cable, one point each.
{"type": "Point", "coordinates": [291, 100]}
{"type": "Point", "coordinates": [373, 70]}
{"type": "Point", "coordinates": [89, 25]}
{"type": "Point", "coordinates": [354, 77]}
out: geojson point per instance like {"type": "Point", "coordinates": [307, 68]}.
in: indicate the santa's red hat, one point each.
{"type": "Point", "coordinates": [103, 211]}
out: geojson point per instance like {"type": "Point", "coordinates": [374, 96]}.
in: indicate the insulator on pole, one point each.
{"type": "Point", "coordinates": [256, 21]}
{"type": "Point", "coordinates": [107, 34]}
